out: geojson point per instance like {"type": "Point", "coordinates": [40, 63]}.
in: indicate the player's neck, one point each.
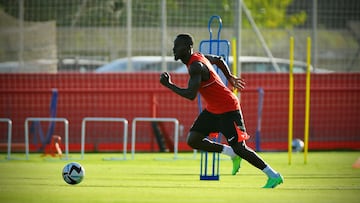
{"type": "Point", "coordinates": [186, 58]}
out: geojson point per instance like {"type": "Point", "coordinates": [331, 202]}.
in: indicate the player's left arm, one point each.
{"type": "Point", "coordinates": [190, 92]}
{"type": "Point", "coordinates": [219, 61]}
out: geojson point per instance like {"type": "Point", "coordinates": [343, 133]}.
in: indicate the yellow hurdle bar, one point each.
{"type": "Point", "coordinates": [291, 99]}
{"type": "Point", "coordinates": [307, 101]}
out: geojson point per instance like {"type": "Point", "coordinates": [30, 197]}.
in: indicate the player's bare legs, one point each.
{"type": "Point", "coordinates": [240, 149]}
{"type": "Point", "coordinates": [274, 178]}
{"type": "Point", "coordinates": [199, 141]}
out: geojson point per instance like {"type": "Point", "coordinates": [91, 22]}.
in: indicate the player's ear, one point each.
{"type": "Point", "coordinates": [190, 48]}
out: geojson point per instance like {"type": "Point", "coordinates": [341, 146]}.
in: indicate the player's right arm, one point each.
{"type": "Point", "coordinates": [219, 61]}
{"type": "Point", "coordinates": [193, 84]}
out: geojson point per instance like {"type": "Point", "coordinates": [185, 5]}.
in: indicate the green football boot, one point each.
{"type": "Point", "coordinates": [236, 164]}
{"type": "Point", "coordinates": [273, 182]}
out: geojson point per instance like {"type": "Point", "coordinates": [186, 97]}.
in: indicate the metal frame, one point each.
{"type": "Point", "coordinates": [104, 119]}
{"type": "Point", "coordinates": [66, 124]}
{"type": "Point", "coordinates": [222, 48]}
{"type": "Point", "coordinates": [8, 135]}
{"type": "Point", "coordinates": [147, 119]}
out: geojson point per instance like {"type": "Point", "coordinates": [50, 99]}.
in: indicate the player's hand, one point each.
{"type": "Point", "coordinates": [165, 79]}
{"type": "Point", "coordinates": [237, 83]}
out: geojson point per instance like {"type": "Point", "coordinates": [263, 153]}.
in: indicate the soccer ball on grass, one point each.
{"type": "Point", "coordinates": [73, 173]}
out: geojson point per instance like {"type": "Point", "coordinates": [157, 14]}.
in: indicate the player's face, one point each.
{"type": "Point", "coordinates": [180, 49]}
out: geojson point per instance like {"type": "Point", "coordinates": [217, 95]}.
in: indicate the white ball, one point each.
{"type": "Point", "coordinates": [297, 145]}
{"type": "Point", "coordinates": [73, 173]}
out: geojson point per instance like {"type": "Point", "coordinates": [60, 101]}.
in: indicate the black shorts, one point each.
{"type": "Point", "coordinates": [226, 123]}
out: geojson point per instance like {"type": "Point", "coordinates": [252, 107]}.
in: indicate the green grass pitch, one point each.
{"type": "Point", "coordinates": [155, 177]}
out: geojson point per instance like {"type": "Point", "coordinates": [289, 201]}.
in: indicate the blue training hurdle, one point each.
{"type": "Point", "coordinates": [221, 48]}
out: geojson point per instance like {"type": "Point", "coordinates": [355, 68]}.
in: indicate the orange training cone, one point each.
{"type": "Point", "coordinates": [356, 163]}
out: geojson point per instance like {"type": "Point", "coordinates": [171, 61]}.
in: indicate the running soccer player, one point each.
{"type": "Point", "coordinates": [222, 112]}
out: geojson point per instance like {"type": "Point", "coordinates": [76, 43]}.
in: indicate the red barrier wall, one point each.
{"type": "Point", "coordinates": [334, 122]}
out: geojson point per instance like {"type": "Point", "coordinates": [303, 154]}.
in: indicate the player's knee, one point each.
{"type": "Point", "coordinates": [239, 147]}
{"type": "Point", "coordinates": [193, 140]}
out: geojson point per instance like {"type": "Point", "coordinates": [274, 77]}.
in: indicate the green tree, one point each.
{"type": "Point", "coordinates": [273, 14]}
{"type": "Point", "coordinates": [266, 13]}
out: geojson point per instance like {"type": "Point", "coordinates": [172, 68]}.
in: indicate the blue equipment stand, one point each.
{"type": "Point", "coordinates": [36, 128]}
{"type": "Point", "coordinates": [220, 48]}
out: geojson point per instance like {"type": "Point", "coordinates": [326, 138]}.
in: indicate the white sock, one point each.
{"type": "Point", "coordinates": [228, 151]}
{"type": "Point", "coordinates": [271, 173]}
